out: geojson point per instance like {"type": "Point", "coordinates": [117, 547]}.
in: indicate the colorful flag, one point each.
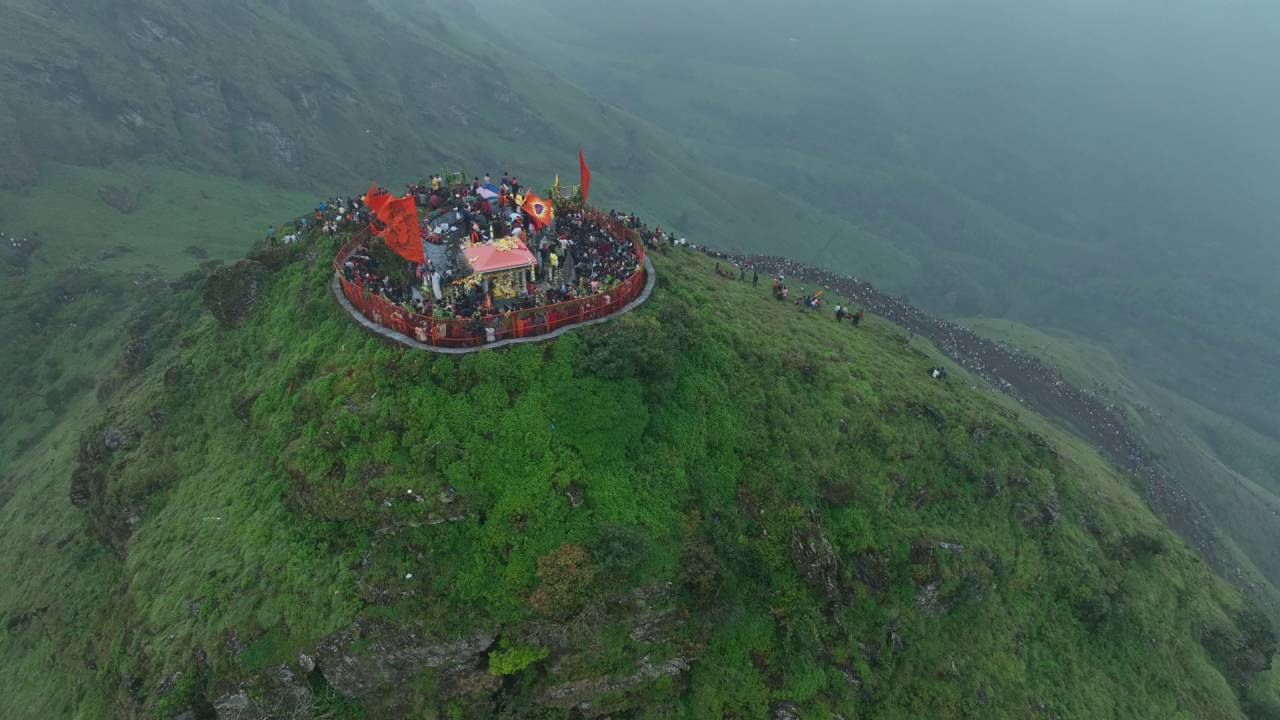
{"type": "Point", "coordinates": [538, 209]}
{"type": "Point", "coordinates": [586, 175]}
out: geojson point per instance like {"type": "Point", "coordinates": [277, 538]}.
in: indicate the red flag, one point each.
{"type": "Point", "coordinates": [538, 209]}
{"type": "Point", "coordinates": [400, 228]}
{"type": "Point", "coordinates": [376, 199]}
{"type": "Point", "coordinates": [586, 175]}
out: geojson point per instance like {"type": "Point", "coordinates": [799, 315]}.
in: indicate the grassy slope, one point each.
{"type": "Point", "coordinates": [65, 307]}
{"type": "Point", "coordinates": [1009, 251]}
{"type": "Point", "coordinates": [189, 207]}
{"type": "Point", "coordinates": [272, 492]}
{"type": "Point", "coordinates": [1244, 511]}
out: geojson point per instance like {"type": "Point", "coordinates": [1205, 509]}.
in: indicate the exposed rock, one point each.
{"type": "Point", "coordinates": [277, 695]}
{"type": "Point", "coordinates": [474, 682]}
{"type": "Point", "coordinates": [991, 483]}
{"type": "Point", "coordinates": [927, 600]}
{"type": "Point", "coordinates": [786, 711]}
{"type": "Point", "coordinates": [136, 355]}
{"type": "Point", "coordinates": [870, 568]}
{"type": "Point", "coordinates": [390, 658]}
{"type": "Point", "coordinates": [232, 291]}
{"type": "Point", "coordinates": [122, 199]}
{"type": "Point", "coordinates": [237, 706]}
{"type": "Point", "coordinates": [114, 438]}
{"type": "Point", "coordinates": [815, 558]}
{"type": "Point", "coordinates": [285, 695]}
{"type": "Point", "coordinates": [284, 150]}
{"type": "Point", "coordinates": [582, 695]}
{"type": "Point", "coordinates": [89, 477]}
{"type": "Point", "coordinates": [1047, 514]}
{"type": "Point", "coordinates": [166, 685]}
{"type": "Point", "coordinates": [575, 493]}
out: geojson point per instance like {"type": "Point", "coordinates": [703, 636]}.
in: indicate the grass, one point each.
{"type": "Point", "coordinates": [268, 493]}
{"type": "Point", "coordinates": [710, 432]}
{"type": "Point", "coordinates": [1244, 512]}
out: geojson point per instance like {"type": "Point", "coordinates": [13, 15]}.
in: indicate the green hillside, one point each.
{"type": "Point", "coordinates": [715, 506]}
{"type": "Point", "coordinates": [1244, 512]}
{"type": "Point", "coordinates": [1104, 170]}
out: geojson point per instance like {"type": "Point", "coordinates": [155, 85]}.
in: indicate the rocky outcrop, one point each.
{"type": "Point", "coordinates": [122, 199]}
{"type": "Point", "coordinates": [815, 558]}
{"type": "Point", "coordinates": [367, 658]}
{"type": "Point", "coordinates": [237, 706]}
{"type": "Point", "coordinates": [582, 695]}
{"type": "Point", "coordinates": [651, 622]}
{"type": "Point", "coordinates": [90, 474]}
{"type": "Point", "coordinates": [231, 292]}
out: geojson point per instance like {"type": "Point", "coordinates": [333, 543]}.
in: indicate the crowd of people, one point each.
{"type": "Point", "coordinates": [580, 254]}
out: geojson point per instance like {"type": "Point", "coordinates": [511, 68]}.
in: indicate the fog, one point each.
{"type": "Point", "coordinates": [1107, 168]}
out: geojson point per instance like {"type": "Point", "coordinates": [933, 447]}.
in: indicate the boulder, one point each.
{"type": "Point", "coordinates": [237, 706]}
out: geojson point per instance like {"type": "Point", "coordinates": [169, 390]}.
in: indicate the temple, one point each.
{"type": "Point", "coordinates": [462, 266]}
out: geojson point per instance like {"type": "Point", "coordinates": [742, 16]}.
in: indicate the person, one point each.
{"type": "Point", "coordinates": [742, 273]}
{"type": "Point", "coordinates": [755, 278]}
{"type": "Point", "coordinates": [857, 319]}
{"type": "Point", "coordinates": [555, 267]}
{"type": "Point", "coordinates": [840, 313]}
{"type": "Point", "coordinates": [435, 183]}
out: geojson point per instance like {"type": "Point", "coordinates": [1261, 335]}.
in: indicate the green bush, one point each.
{"type": "Point", "coordinates": [515, 659]}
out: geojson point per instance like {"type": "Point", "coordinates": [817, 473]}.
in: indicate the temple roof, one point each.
{"type": "Point", "coordinates": [504, 254]}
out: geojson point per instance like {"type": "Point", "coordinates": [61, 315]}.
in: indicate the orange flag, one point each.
{"type": "Point", "coordinates": [403, 233]}
{"type": "Point", "coordinates": [376, 199]}
{"type": "Point", "coordinates": [400, 228]}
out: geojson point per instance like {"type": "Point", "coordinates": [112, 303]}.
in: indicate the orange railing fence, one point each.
{"type": "Point", "coordinates": [472, 332]}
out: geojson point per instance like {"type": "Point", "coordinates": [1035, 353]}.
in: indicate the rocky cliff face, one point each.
{"type": "Point", "coordinates": [368, 659]}
{"type": "Point", "coordinates": [377, 664]}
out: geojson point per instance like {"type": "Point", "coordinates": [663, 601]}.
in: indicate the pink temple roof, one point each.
{"type": "Point", "coordinates": [489, 257]}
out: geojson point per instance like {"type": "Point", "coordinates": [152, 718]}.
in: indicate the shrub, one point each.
{"type": "Point", "coordinates": [566, 574]}
{"type": "Point", "coordinates": [515, 659]}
